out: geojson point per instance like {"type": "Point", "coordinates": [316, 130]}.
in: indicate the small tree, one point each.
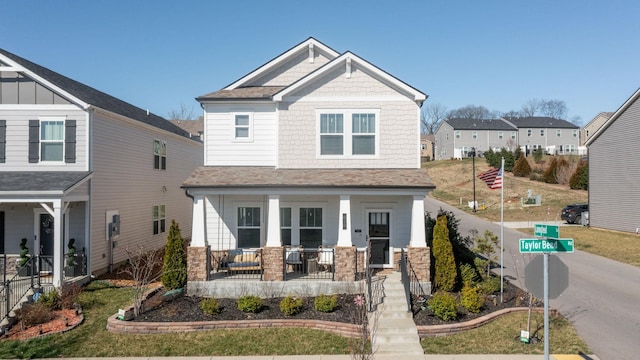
{"type": "Point", "coordinates": [537, 155]}
{"type": "Point", "coordinates": [174, 269]}
{"type": "Point", "coordinates": [143, 268]}
{"type": "Point", "coordinates": [71, 253]}
{"type": "Point", "coordinates": [445, 267]}
{"type": "Point", "coordinates": [549, 175]}
{"type": "Point", "coordinates": [24, 252]}
{"type": "Point", "coordinates": [522, 167]}
{"type": "Point", "coordinates": [580, 178]}
{"type": "Point", "coordinates": [486, 246]}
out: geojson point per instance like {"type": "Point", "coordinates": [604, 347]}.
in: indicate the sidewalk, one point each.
{"type": "Point", "coordinates": [529, 224]}
{"type": "Point", "coordinates": [348, 357]}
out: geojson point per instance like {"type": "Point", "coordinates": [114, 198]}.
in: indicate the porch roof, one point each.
{"type": "Point", "coordinates": [16, 182]}
{"type": "Point", "coordinates": [247, 176]}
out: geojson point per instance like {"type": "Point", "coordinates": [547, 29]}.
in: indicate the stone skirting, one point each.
{"type": "Point", "coordinates": [345, 263]}
{"type": "Point", "coordinates": [420, 260]}
{"type": "Point", "coordinates": [198, 263]}
{"type": "Point", "coordinates": [272, 263]}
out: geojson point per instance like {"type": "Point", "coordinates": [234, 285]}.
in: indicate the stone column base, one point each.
{"type": "Point", "coordinates": [273, 263]}
{"type": "Point", "coordinates": [198, 263]}
{"type": "Point", "coordinates": [420, 259]}
{"type": "Point", "coordinates": [345, 263]}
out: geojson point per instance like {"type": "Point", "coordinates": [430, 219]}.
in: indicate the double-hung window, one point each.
{"type": "Point", "coordinates": [242, 127]}
{"type": "Point", "coordinates": [474, 134]}
{"type": "Point", "coordinates": [52, 140]}
{"type": "Point", "coordinates": [331, 134]}
{"type": "Point", "coordinates": [248, 227]}
{"type": "Point", "coordinates": [285, 225]}
{"type": "Point", "coordinates": [575, 133]}
{"type": "Point", "coordinates": [457, 134]}
{"type": "Point", "coordinates": [160, 155]}
{"type": "Point", "coordinates": [348, 133]}
{"type": "Point", "coordinates": [513, 135]}
{"type": "Point", "coordinates": [159, 220]}
{"type": "Point", "coordinates": [310, 227]}
{"type": "Point", "coordinates": [363, 128]}
{"type": "Point", "coordinates": [558, 132]}
{"type": "Point", "coordinates": [528, 132]}
{"type": "Point", "coordinates": [542, 132]}
{"type": "Point", "coordinates": [500, 135]}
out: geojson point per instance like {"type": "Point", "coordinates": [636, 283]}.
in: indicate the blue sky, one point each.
{"type": "Point", "coordinates": [499, 54]}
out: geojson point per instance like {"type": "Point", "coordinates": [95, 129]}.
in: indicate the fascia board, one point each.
{"type": "Point", "coordinates": [613, 117]}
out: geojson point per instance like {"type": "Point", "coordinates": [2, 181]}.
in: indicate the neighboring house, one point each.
{"type": "Point", "coordinates": [314, 148]}
{"type": "Point", "coordinates": [456, 137]}
{"type": "Point", "coordinates": [426, 147]}
{"type": "Point", "coordinates": [195, 128]}
{"type": "Point", "coordinates": [614, 170]}
{"type": "Point", "coordinates": [76, 163]}
{"type": "Point", "coordinates": [588, 130]}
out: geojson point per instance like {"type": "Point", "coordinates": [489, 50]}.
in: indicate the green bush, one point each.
{"type": "Point", "coordinates": [522, 167]}
{"type": "Point", "coordinates": [290, 305]}
{"type": "Point", "coordinates": [51, 300]}
{"type": "Point", "coordinates": [444, 306]}
{"type": "Point", "coordinates": [210, 306]}
{"type": "Point", "coordinates": [24, 252]}
{"type": "Point", "coordinates": [537, 155]}
{"type": "Point", "coordinates": [489, 285]}
{"type": "Point", "coordinates": [580, 178]}
{"type": "Point", "coordinates": [324, 303]}
{"type": "Point", "coordinates": [250, 303]}
{"type": "Point", "coordinates": [549, 175]}
{"type": "Point", "coordinates": [468, 274]}
{"type": "Point", "coordinates": [481, 263]}
{"type": "Point", "coordinates": [174, 269]}
{"type": "Point", "coordinates": [445, 264]}
{"type": "Point", "coordinates": [471, 299]}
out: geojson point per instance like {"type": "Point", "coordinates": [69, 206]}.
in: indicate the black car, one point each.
{"type": "Point", "coordinates": [572, 214]}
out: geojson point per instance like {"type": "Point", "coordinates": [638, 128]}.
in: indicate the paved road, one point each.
{"type": "Point", "coordinates": [603, 297]}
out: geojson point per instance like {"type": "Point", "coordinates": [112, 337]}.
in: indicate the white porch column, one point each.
{"type": "Point", "coordinates": [344, 221]}
{"type": "Point", "coordinates": [198, 223]}
{"type": "Point", "coordinates": [58, 244]}
{"type": "Point", "coordinates": [273, 222]}
{"type": "Point", "coordinates": [418, 238]}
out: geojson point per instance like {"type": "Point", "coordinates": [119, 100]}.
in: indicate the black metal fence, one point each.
{"type": "Point", "coordinates": [412, 286]}
{"type": "Point", "coordinates": [309, 264]}
{"type": "Point", "coordinates": [239, 264]}
{"type": "Point", "coordinates": [15, 288]}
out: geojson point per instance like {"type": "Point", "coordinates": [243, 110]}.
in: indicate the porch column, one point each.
{"type": "Point", "coordinates": [344, 222]}
{"type": "Point", "coordinates": [58, 244]}
{"type": "Point", "coordinates": [198, 238]}
{"type": "Point", "coordinates": [418, 238]}
{"type": "Point", "coordinates": [273, 222]}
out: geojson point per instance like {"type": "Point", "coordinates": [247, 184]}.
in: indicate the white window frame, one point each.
{"type": "Point", "coordinates": [513, 135]}
{"type": "Point", "coordinates": [259, 227]}
{"type": "Point", "coordinates": [160, 219]}
{"type": "Point", "coordinates": [162, 154]}
{"type": "Point", "coordinates": [347, 133]}
{"type": "Point", "coordinates": [283, 226]}
{"type": "Point", "coordinates": [569, 149]}
{"type": "Point", "coordinates": [558, 132]}
{"type": "Point", "coordinates": [529, 132]}
{"type": "Point", "coordinates": [500, 135]}
{"type": "Point", "coordinates": [457, 134]}
{"type": "Point", "coordinates": [542, 132]}
{"type": "Point", "coordinates": [575, 133]}
{"type": "Point", "coordinates": [248, 127]}
{"type": "Point", "coordinates": [474, 134]}
{"type": "Point", "coordinates": [42, 141]}
{"type": "Point", "coordinates": [295, 219]}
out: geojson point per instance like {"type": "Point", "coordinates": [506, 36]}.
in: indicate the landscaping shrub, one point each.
{"type": "Point", "coordinates": [325, 303]}
{"type": "Point", "coordinates": [174, 269]}
{"type": "Point", "coordinates": [24, 252]}
{"type": "Point", "coordinates": [34, 314]}
{"type": "Point", "coordinates": [461, 244]}
{"type": "Point", "coordinates": [481, 263]}
{"type": "Point", "coordinates": [51, 300]}
{"type": "Point", "coordinates": [444, 306]}
{"type": "Point", "coordinates": [69, 295]}
{"type": "Point", "coordinates": [580, 178]}
{"type": "Point", "coordinates": [250, 303]}
{"type": "Point", "coordinates": [489, 285]}
{"type": "Point", "coordinates": [291, 305]}
{"type": "Point", "coordinates": [445, 265]}
{"type": "Point", "coordinates": [549, 174]}
{"type": "Point", "coordinates": [522, 167]}
{"type": "Point", "coordinates": [471, 299]}
{"type": "Point", "coordinates": [210, 306]}
{"type": "Point", "coordinates": [537, 155]}
{"type": "Point", "coordinates": [468, 274]}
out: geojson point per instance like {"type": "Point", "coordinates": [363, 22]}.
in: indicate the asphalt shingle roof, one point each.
{"type": "Point", "coordinates": [541, 122]}
{"type": "Point", "coordinates": [480, 124]}
{"type": "Point", "coordinates": [96, 97]}
{"type": "Point", "coordinates": [245, 176]}
{"type": "Point", "coordinates": [20, 181]}
{"type": "Point", "coordinates": [243, 93]}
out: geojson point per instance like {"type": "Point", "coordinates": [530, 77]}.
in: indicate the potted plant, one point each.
{"type": "Point", "coordinates": [24, 266]}
{"type": "Point", "coordinates": [71, 266]}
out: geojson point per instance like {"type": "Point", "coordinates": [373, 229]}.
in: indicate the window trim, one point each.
{"type": "Point", "coordinates": [513, 135]}
{"type": "Point", "coordinates": [558, 132]}
{"type": "Point", "coordinates": [295, 219]}
{"type": "Point", "coordinates": [500, 135]}
{"type": "Point", "coordinates": [474, 134]}
{"type": "Point", "coordinates": [529, 132]}
{"type": "Point", "coordinates": [161, 226]}
{"type": "Point", "coordinates": [457, 134]}
{"type": "Point", "coordinates": [50, 119]}
{"type": "Point", "coordinates": [161, 165]}
{"type": "Point", "coordinates": [347, 133]}
{"type": "Point", "coordinates": [249, 127]}
{"type": "Point", "coordinates": [542, 132]}
{"type": "Point", "coordinates": [260, 227]}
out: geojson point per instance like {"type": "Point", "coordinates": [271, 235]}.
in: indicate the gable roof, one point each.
{"type": "Point", "coordinates": [40, 182]}
{"type": "Point", "coordinates": [86, 96]}
{"type": "Point", "coordinates": [615, 116]}
{"type": "Point", "coordinates": [602, 115]}
{"type": "Point", "coordinates": [540, 122]}
{"type": "Point", "coordinates": [480, 124]}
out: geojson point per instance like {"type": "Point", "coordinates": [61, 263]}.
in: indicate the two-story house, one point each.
{"type": "Point", "coordinates": [76, 163]}
{"type": "Point", "coordinates": [592, 126]}
{"type": "Point", "coordinates": [313, 149]}
{"type": "Point", "coordinates": [456, 138]}
{"type": "Point", "coordinates": [614, 170]}
{"type": "Point", "coordinates": [554, 136]}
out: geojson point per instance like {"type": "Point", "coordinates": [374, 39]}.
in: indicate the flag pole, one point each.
{"type": "Point", "coordinates": [502, 234]}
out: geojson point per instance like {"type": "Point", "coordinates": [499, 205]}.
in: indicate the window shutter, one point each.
{"type": "Point", "coordinates": [70, 141]}
{"type": "Point", "coordinates": [34, 141]}
{"type": "Point", "coordinates": [3, 140]}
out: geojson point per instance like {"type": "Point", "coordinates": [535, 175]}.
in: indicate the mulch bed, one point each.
{"type": "Point", "coordinates": [64, 320]}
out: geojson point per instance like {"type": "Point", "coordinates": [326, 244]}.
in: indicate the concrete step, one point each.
{"type": "Point", "coordinates": [395, 339]}
{"type": "Point", "coordinates": [395, 315]}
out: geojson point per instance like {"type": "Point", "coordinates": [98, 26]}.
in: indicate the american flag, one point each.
{"type": "Point", "coordinates": [492, 177]}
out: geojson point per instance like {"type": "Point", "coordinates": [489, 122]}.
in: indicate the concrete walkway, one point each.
{"type": "Point", "coordinates": [348, 357]}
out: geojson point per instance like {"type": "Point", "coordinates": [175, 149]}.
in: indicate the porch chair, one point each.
{"type": "Point", "coordinates": [293, 258]}
{"type": "Point", "coordinates": [325, 258]}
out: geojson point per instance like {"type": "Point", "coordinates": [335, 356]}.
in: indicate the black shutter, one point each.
{"type": "Point", "coordinates": [70, 141]}
{"type": "Point", "coordinates": [3, 140]}
{"type": "Point", "coordinates": [34, 141]}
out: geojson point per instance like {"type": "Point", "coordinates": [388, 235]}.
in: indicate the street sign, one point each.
{"type": "Point", "coordinates": [558, 276]}
{"type": "Point", "coordinates": [544, 230]}
{"type": "Point", "coordinates": [546, 245]}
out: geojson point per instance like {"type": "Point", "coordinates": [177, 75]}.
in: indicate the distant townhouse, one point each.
{"type": "Point", "coordinates": [554, 136]}
{"type": "Point", "coordinates": [426, 147]}
{"type": "Point", "coordinates": [592, 126]}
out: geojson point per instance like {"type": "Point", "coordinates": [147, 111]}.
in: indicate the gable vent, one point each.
{"type": "Point", "coordinates": [311, 54]}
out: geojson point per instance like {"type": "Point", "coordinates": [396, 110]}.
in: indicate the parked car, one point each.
{"type": "Point", "coordinates": [572, 214]}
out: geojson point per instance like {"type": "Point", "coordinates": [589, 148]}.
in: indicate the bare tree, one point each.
{"type": "Point", "coordinates": [511, 114]}
{"type": "Point", "coordinates": [556, 109]}
{"type": "Point", "coordinates": [431, 117]}
{"type": "Point", "coordinates": [144, 267]}
{"type": "Point", "coordinates": [183, 113]}
{"type": "Point", "coordinates": [471, 112]}
{"type": "Point", "coordinates": [531, 108]}
{"type": "Point", "coordinates": [576, 120]}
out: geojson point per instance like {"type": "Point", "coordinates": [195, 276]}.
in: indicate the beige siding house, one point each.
{"type": "Point", "coordinates": [78, 164]}
{"type": "Point", "coordinates": [614, 170]}
{"type": "Point", "coordinates": [592, 126]}
{"type": "Point", "coordinates": [309, 159]}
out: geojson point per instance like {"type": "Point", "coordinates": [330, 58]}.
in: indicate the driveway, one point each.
{"type": "Point", "coordinates": [603, 295]}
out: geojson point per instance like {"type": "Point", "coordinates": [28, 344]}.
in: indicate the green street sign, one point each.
{"type": "Point", "coordinates": [546, 246]}
{"type": "Point", "coordinates": [544, 230]}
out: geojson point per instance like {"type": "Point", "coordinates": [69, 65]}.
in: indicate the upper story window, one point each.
{"type": "Point", "coordinates": [528, 132]}
{"type": "Point", "coordinates": [447, 136]}
{"type": "Point", "coordinates": [248, 227]}
{"type": "Point", "coordinates": [361, 138]}
{"type": "Point", "coordinates": [558, 132]}
{"type": "Point", "coordinates": [160, 155]}
{"type": "Point", "coordinates": [423, 147]}
{"type": "Point", "coordinates": [575, 133]}
{"type": "Point", "coordinates": [500, 135]}
{"type": "Point", "coordinates": [159, 220]}
{"type": "Point", "coordinates": [513, 135]}
{"type": "Point", "coordinates": [457, 134]}
{"type": "Point", "coordinates": [52, 140]}
{"type": "Point", "coordinates": [587, 133]}
{"type": "Point", "coordinates": [541, 132]}
{"type": "Point", "coordinates": [242, 126]}
{"type": "Point", "coordinates": [474, 134]}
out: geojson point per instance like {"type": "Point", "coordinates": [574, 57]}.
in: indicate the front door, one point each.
{"type": "Point", "coordinates": [379, 231]}
{"type": "Point", "coordinates": [46, 235]}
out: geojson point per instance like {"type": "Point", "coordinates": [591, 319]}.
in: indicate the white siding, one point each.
{"type": "Point", "coordinates": [124, 180]}
{"type": "Point", "coordinates": [292, 70]}
{"type": "Point", "coordinates": [17, 145]}
{"type": "Point", "coordinates": [221, 147]}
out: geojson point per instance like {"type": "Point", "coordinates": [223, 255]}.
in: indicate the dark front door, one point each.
{"type": "Point", "coordinates": [46, 235]}
{"type": "Point", "coordinates": [379, 231]}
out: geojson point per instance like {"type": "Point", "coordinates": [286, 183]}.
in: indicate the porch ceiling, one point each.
{"type": "Point", "coordinates": [246, 176]}
{"type": "Point", "coordinates": [33, 182]}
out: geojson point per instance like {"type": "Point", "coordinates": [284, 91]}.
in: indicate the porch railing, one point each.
{"type": "Point", "coordinates": [412, 286]}
{"type": "Point", "coordinates": [238, 264]}
{"type": "Point", "coordinates": [15, 288]}
{"type": "Point", "coordinates": [309, 264]}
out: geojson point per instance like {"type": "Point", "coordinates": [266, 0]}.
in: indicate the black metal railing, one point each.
{"type": "Point", "coordinates": [14, 289]}
{"type": "Point", "coordinates": [309, 264]}
{"type": "Point", "coordinates": [75, 266]}
{"type": "Point", "coordinates": [239, 264]}
{"type": "Point", "coordinates": [412, 286]}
